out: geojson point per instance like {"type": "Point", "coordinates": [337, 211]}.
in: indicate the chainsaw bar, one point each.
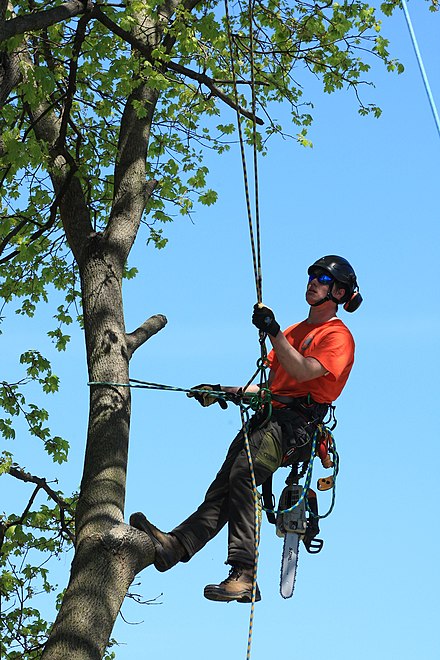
{"type": "Point", "coordinates": [289, 564]}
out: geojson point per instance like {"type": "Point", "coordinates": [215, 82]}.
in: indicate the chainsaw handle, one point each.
{"type": "Point", "coordinates": [313, 546]}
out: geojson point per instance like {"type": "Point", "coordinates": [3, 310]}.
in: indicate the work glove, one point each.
{"type": "Point", "coordinates": [205, 399]}
{"type": "Point", "coordinates": [264, 319]}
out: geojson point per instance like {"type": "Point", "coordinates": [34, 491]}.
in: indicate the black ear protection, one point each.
{"type": "Point", "coordinates": [354, 302]}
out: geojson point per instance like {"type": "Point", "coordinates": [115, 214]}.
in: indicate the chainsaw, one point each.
{"type": "Point", "coordinates": [297, 519]}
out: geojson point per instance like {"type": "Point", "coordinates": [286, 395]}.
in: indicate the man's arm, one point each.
{"type": "Point", "coordinates": [251, 389]}
{"type": "Point", "coordinates": [299, 367]}
{"type": "Point", "coordinates": [296, 365]}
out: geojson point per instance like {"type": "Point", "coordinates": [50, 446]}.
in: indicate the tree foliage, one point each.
{"type": "Point", "coordinates": [107, 111]}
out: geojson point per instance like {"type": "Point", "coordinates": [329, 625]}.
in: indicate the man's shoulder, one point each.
{"type": "Point", "coordinates": [335, 328]}
{"type": "Point", "coordinates": [300, 325]}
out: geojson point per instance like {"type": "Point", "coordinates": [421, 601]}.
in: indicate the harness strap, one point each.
{"type": "Point", "coordinates": [268, 499]}
{"type": "Point", "coordinates": [289, 400]}
{"type": "Point", "coordinates": [296, 400]}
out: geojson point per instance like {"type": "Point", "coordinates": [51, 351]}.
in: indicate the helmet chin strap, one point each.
{"type": "Point", "coordinates": [329, 296]}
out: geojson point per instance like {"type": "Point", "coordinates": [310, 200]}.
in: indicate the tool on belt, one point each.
{"type": "Point", "coordinates": [297, 515]}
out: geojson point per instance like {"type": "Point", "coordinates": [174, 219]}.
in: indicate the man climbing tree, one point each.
{"type": "Point", "coordinates": [106, 110]}
{"type": "Point", "coordinates": [310, 364]}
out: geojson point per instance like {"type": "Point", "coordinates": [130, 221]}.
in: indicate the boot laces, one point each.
{"type": "Point", "coordinates": [236, 572]}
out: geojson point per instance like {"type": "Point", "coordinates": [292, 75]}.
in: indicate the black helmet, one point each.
{"type": "Point", "coordinates": [341, 270]}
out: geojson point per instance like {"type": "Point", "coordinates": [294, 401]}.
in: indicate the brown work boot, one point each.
{"type": "Point", "coordinates": [168, 549]}
{"type": "Point", "coordinates": [237, 586]}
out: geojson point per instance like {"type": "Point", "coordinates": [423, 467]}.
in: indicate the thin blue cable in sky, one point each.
{"type": "Point", "coordinates": [421, 66]}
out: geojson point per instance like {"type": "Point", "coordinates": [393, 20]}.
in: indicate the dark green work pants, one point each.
{"type": "Point", "coordinates": [230, 497]}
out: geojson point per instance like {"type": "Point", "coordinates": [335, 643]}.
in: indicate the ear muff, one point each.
{"type": "Point", "coordinates": [354, 302]}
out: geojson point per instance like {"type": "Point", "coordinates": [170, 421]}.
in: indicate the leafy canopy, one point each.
{"type": "Point", "coordinates": [84, 72]}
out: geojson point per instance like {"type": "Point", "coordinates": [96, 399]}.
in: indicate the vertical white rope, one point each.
{"type": "Point", "coordinates": [421, 66]}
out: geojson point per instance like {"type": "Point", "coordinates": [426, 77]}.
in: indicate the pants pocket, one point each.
{"type": "Point", "coordinates": [269, 454]}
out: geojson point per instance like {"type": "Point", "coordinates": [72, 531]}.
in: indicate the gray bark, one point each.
{"type": "Point", "coordinates": [108, 552]}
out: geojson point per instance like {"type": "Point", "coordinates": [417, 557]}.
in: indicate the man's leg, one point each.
{"type": "Point", "coordinates": [265, 446]}
{"type": "Point", "coordinates": [191, 535]}
{"type": "Point", "coordinates": [211, 516]}
{"type": "Point", "coordinates": [266, 453]}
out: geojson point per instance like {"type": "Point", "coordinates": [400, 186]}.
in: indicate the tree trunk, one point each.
{"type": "Point", "coordinates": [108, 553]}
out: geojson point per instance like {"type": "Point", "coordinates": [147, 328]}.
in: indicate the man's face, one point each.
{"type": "Point", "coordinates": [316, 289]}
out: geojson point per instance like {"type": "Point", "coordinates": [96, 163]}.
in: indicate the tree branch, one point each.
{"type": "Point", "coordinates": [47, 225]}
{"type": "Point", "coordinates": [22, 475]}
{"type": "Point", "coordinates": [80, 35]}
{"type": "Point", "coordinates": [9, 73]}
{"type": "Point", "coordinates": [201, 78]}
{"type": "Point", "coordinates": [70, 198]}
{"type": "Point", "coordinates": [41, 19]}
{"type": "Point", "coordinates": [41, 484]}
{"type": "Point", "coordinates": [145, 331]}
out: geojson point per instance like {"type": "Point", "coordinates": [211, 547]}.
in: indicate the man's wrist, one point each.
{"type": "Point", "coordinates": [274, 329]}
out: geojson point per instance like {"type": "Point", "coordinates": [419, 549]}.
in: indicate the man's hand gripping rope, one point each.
{"type": "Point", "coordinates": [207, 395]}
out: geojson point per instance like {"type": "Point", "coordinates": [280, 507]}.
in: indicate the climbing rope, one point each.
{"type": "Point", "coordinates": [257, 525]}
{"type": "Point", "coordinates": [256, 258]}
{"type": "Point", "coordinates": [248, 402]}
{"type": "Point", "coordinates": [254, 235]}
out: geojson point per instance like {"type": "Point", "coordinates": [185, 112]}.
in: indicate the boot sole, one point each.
{"type": "Point", "coordinates": [221, 596]}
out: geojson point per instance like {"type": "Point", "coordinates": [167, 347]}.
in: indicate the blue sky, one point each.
{"type": "Point", "coordinates": [367, 190]}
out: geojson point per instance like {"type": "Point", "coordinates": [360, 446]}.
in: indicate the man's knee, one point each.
{"type": "Point", "coordinates": [266, 456]}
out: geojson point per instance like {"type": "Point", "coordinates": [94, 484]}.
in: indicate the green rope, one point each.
{"type": "Point", "coordinates": [139, 384]}
{"type": "Point", "coordinates": [254, 402]}
{"type": "Point", "coordinates": [142, 384]}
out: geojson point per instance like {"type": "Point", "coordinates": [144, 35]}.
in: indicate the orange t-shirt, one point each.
{"type": "Point", "coordinates": [330, 343]}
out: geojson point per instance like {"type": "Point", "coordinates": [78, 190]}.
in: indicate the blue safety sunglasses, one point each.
{"type": "Point", "coordinates": [322, 278]}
